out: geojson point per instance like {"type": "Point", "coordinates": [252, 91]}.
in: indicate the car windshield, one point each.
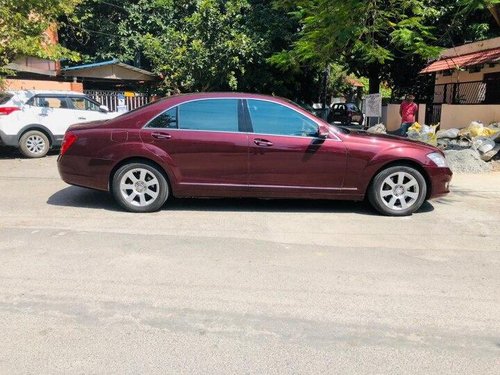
{"type": "Point", "coordinates": [5, 97]}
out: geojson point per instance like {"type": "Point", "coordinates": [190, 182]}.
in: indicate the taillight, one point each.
{"type": "Point", "coordinates": [68, 140]}
{"type": "Point", "coordinates": [4, 111]}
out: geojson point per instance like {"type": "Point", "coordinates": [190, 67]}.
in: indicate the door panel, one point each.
{"type": "Point", "coordinates": [281, 162]}
{"type": "Point", "coordinates": [296, 161]}
{"type": "Point", "coordinates": [53, 113]}
{"type": "Point", "coordinates": [206, 162]}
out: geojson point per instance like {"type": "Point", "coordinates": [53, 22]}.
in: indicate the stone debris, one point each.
{"type": "Point", "coordinates": [467, 150]}
{"type": "Point", "coordinates": [466, 161]}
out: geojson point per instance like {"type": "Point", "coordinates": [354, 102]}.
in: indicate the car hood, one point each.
{"type": "Point", "coordinates": [388, 139]}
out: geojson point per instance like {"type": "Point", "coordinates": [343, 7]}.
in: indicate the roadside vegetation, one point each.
{"type": "Point", "coordinates": [289, 48]}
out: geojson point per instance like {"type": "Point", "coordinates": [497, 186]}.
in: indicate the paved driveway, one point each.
{"type": "Point", "coordinates": [245, 286]}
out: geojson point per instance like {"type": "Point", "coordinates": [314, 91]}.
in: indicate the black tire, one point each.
{"type": "Point", "coordinates": [391, 204]}
{"type": "Point", "coordinates": [34, 144]}
{"type": "Point", "coordinates": [154, 196]}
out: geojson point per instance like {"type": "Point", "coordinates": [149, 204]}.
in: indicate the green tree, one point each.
{"type": "Point", "coordinates": [195, 44]}
{"type": "Point", "coordinates": [203, 50]}
{"type": "Point", "coordinates": [22, 26]}
{"type": "Point", "coordinates": [363, 34]}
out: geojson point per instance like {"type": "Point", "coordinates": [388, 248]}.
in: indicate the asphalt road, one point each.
{"type": "Point", "coordinates": [245, 286]}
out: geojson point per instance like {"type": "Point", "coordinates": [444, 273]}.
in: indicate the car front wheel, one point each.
{"type": "Point", "coordinates": [398, 191]}
{"type": "Point", "coordinates": [140, 187]}
{"type": "Point", "coordinates": [34, 144]}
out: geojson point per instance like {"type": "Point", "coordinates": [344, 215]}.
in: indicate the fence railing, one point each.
{"type": "Point", "coordinates": [460, 93]}
{"type": "Point", "coordinates": [110, 98]}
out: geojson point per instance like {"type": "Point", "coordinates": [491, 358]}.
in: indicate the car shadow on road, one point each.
{"type": "Point", "coordinates": [86, 198]}
{"type": "Point", "coordinates": [14, 153]}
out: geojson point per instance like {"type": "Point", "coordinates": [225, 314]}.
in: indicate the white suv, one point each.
{"type": "Point", "coordinates": [35, 121]}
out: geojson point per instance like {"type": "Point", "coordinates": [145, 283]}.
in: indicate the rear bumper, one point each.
{"type": "Point", "coordinates": [85, 172]}
{"type": "Point", "coordinates": [8, 140]}
{"type": "Point", "coordinates": [440, 179]}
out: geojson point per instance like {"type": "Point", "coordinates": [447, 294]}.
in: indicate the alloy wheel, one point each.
{"type": "Point", "coordinates": [35, 144]}
{"type": "Point", "coordinates": [139, 187]}
{"type": "Point", "coordinates": [399, 191]}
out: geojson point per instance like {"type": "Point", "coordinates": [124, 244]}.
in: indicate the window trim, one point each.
{"type": "Point", "coordinates": [176, 107]}
{"type": "Point", "coordinates": [285, 135]}
{"type": "Point", "coordinates": [239, 108]}
{"type": "Point", "coordinates": [241, 129]}
{"type": "Point", "coordinates": [31, 100]}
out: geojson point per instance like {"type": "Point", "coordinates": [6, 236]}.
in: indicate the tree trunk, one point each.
{"type": "Point", "coordinates": [374, 78]}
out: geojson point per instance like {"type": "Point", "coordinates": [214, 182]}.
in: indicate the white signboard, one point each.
{"type": "Point", "coordinates": [373, 105]}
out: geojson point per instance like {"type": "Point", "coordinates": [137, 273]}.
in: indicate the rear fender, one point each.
{"type": "Point", "coordinates": [141, 151]}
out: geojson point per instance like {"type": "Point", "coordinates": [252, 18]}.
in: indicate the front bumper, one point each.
{"type": "Point", "coordinates": [440, 179]}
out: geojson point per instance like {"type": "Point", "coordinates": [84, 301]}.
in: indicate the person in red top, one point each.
{"type": "Point", "coordinates": [408, 110]}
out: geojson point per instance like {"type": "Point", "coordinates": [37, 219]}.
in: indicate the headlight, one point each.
{"type": "Point", "coordinates": [438, 159]}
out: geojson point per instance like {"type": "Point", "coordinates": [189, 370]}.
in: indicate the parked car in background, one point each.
{"type": "Point", "coordinates": [35, 121]}
{"type": "Point", "coordinates": [346, 114]}
{"type": "Point", "coordinates": [246, 145]}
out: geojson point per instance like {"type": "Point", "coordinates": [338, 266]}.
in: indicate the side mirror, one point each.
{"type": "Point", "coordinates": [104, 108]}
{"type": "Point", "coordinates": [323, 132]}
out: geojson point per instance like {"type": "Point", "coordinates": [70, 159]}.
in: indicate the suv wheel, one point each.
{"type": "Point", "coordinates": [398, 191]}
{"type": "Point", "coordinates": [34, 144]}
{"type": "Point", "coordinates": [140, 187]}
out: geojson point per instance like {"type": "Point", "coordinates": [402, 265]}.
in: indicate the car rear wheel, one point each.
{"type": "Point", "coordinates": [398, 191]}
{"type": "Point", "coordinates": [34, 144]}
{"type": "Point", "coordinates": [140, 187]}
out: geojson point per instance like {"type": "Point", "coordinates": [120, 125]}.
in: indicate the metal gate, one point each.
{"type": "Point", "coordinates": [110, 98]}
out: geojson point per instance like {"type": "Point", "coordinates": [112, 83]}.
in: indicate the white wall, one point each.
{"type": "Point", "coordinates": [460, 115]}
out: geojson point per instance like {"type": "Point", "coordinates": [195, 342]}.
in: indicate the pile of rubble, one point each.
{"type": "Point", "coordinates": [468, 150]}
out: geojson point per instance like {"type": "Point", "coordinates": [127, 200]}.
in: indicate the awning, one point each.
{"type": "Point", "coordinates": [453, 63]}
{"type": "Point", "coordinates": [109, 70]}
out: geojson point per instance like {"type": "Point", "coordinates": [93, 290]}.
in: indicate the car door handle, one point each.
{"type": "Point", "coordinates": [262, 142]}
{"type": "Point", "coordinates": [82, 118]}
{"type": "Point", "coordinates": [43, 114]}
{"type": "Point", "coordinates": [161, 135]}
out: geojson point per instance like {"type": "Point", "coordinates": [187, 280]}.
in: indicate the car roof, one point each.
{"type": "Point", "coordinates": [30, 93]}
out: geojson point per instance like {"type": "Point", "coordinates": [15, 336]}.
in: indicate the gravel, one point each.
{"type": "Point", "coordinates": [466, 161]}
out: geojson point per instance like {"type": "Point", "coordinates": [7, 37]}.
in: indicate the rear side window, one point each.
{"type": "Point", "coordinates": [209, 115]}
{"type": "Point", "coordinates": [48, 102]}
{"type": "Point", "coordinates": [274, 118]}
{"type": "Point", "coordinates": [5, 97]}
{"type": "Point", "coordinates": [167, 119]}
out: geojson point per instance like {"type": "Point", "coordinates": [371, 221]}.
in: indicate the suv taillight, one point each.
{"type": "Point", "coordinates": [68, 140]}
{"type": "Point", "coordinates": [4, 111]}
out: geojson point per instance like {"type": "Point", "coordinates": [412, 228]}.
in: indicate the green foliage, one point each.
{"type": "Point", "coordinates": [364, 34]}
{"type": "Point", "coordinates": [194, 44]}
{"type": "Point", "coordinates": [204, 50]}
{"type": "Point", "coordinates": [22, 26]}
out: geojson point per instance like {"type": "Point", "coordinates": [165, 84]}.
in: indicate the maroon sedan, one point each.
{"type": "Point", "coordinates": [244, 145]}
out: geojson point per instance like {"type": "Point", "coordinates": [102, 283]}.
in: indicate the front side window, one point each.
{"type": "Point", "coordinates": [83, 104]}
{"type": "Point", "coordinates": [167, 119]}
{"type": "Point", "coordinates": [209, 115]}
{"type": "Point", "coordinates": [273, 118]}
